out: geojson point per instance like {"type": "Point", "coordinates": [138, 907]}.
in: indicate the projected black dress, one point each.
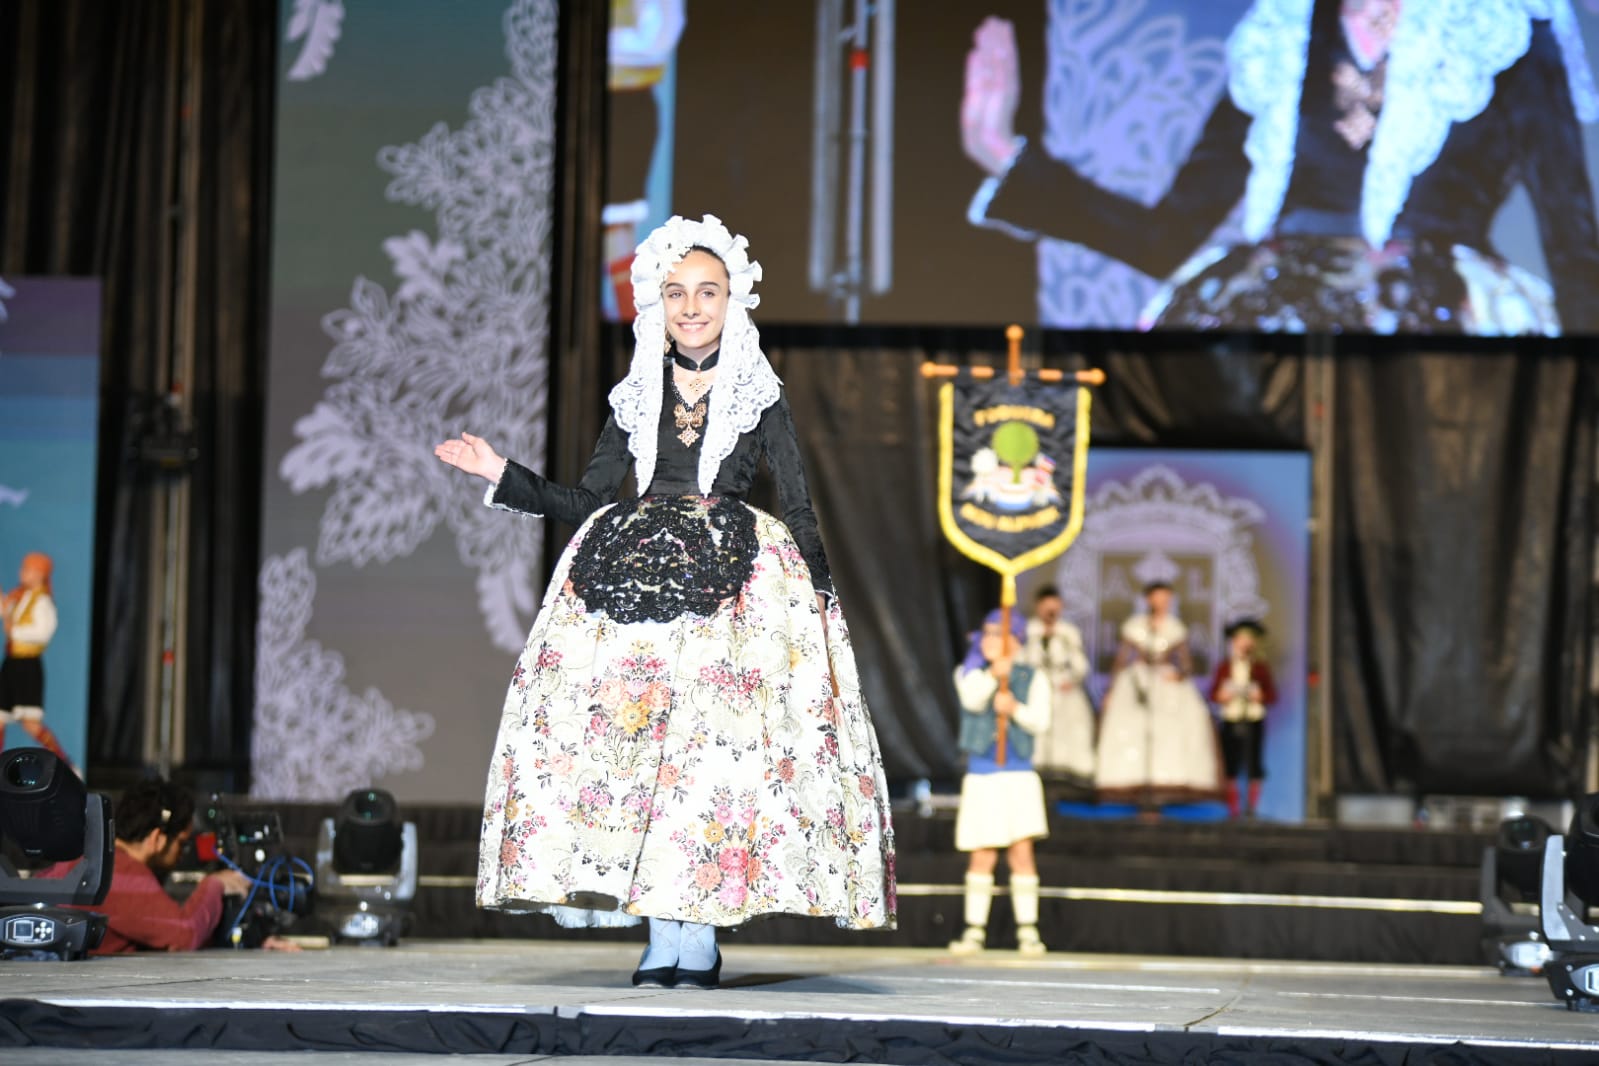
{"type": "Point", "coordinates": [682, 737]}
{"type": "Point", "coordinates": [1368, 195]}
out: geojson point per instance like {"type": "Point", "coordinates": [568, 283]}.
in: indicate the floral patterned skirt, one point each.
{"type": "Point", "coordinates": [672, 745]}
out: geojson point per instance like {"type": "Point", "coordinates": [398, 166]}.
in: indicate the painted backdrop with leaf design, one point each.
{"type": "Point", "coordinates": [411, 286]}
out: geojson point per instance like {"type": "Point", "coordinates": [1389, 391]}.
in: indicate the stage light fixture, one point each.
{"type": "Point", "coordinates": [1569, 886]}
{"type": "Point", "coordinates": [1510, 881]}
{"type": "Point", "coordinates": [1582, 851]}
{"type": "Point", "coordinates": [46, 812]}
{"type": "Point", "coordinates": [366, 869]}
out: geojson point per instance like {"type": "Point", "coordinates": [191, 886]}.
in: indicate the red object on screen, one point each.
{"type": "Point", "coordinates": [205, 847]}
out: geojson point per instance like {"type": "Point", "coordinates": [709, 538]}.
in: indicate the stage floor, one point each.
{"type": "Point", "coordinates": [514, 1001]}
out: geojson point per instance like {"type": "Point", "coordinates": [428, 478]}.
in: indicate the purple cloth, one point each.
{"type": "Point", "coordinates": [974, 653]}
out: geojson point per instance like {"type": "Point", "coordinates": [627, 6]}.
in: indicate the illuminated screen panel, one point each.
{"type": "Point", "coordinates": [1276, 165]}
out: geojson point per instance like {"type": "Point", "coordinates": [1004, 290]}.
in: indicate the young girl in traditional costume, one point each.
{"type": "Point", "coordinates": [684, 738]}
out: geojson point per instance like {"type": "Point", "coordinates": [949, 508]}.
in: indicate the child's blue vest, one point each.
{"type": "Point", "coordinates": [980, 731]}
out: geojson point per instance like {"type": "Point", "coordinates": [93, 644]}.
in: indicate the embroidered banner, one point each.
{"type": "Point", "coordinates": [1011, 468]}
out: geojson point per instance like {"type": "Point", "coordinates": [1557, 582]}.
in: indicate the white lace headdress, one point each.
{"type": "Point", "coordinates": [746, 384]}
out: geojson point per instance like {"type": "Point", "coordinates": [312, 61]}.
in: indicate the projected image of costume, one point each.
{"type": "Point", "coordinates": [1002, 802]}
{"type": "Point", "coordinates": [1371, 143]}
{"type": "Point", "coordinates": [1064, 753]}
{"type": "Point", "coordinates": [29, 616]}
{"type": "Point", "coordinates": [684, 737]}
{"type": "Point", "coordinates": [1156, 740]}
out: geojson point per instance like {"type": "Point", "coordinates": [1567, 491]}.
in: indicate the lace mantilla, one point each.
{"type": "Point", "coordinates": [746, 382]}
{"type": "Point", "coordinates": [659, 559]}
{"type": "Point", "coordinates": [1441, 69]}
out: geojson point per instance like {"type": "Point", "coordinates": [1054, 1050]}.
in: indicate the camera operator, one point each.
{"type": "Point", "coordinates": [154, 819]}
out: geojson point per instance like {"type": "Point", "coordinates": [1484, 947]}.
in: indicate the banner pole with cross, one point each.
{"type": "Point", "coordinates": [1010, 516]}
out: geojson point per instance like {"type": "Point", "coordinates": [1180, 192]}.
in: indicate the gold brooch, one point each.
{"type": "Point", "coordinates": [689, 421]}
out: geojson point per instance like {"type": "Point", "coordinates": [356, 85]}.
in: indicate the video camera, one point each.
{"type": "Point", "coordinates": [250, 840]}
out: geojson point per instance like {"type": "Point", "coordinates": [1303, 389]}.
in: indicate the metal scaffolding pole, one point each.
{"type": "Point", "coordinates": [863, 180]}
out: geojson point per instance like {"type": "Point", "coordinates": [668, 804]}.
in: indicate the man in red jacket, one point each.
{"type": "Point", "coordinates": [153, 819]}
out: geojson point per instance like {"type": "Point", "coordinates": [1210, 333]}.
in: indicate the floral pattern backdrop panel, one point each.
{"type": "Point", "coordinates": [411, 290]}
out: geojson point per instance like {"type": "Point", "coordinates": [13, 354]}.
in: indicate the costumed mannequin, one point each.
{"type": "Point", "coordinates": [29, 615]}
{"type": "Point", "coordinates": [1242, 690]}
{"type": "Point", "coordinates": [1064, 753]}
{"type": "Point", "coordinates": [1372, 143]}
{"type": "Point", "coordinates": [1156, 740]}
{"type": "Point", "coordinates": [684, 738]}
{"type": "Point", "coordinates": [1002, 803]}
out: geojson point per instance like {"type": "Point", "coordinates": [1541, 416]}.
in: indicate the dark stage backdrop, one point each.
{"type": "Point", "coordinates": [1464, 570]}
{"type": "Point", "coordinates": [126, 130]}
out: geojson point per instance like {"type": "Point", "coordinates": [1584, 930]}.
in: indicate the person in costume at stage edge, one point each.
{"type": "Point", "coordinates": [1002, 804]}
{"type": "Point", "coordinates": [1371, 143]}
{"type": "Point", "coordinates": [153, 819]}
{"type": "Point", "coordinates": [684, 738]}
{"type": "Point", "coordinates": [1156, 740]}
{"type": "Point", "coordinates": [29, 615]}
{"type": "Point", "coordinates": [1064, 753]}
{"type": "Point", "coordinates": [1242, 690]}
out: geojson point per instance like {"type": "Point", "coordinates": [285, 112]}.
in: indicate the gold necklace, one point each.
{"type": "Point", "coordinates": [689, 419]}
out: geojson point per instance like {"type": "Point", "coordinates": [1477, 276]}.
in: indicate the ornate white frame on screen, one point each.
{"type": "Point", "coordinates": [1157, 512]}
{"type": "Point", "coordinates": [746, 385]}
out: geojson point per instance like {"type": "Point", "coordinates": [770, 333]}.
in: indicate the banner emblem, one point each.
{"type": "Point", "coordinates": [1012, 464]}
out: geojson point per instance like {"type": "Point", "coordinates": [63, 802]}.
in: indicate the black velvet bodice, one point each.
{"type": "Point", "coordinates": [677, 474]}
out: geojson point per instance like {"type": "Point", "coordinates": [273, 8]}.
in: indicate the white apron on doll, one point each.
{"type": "Point", "coordinates": [1155, 731]}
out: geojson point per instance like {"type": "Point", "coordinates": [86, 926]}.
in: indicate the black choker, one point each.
{"type": "Point", "coordinates": [688, 364]}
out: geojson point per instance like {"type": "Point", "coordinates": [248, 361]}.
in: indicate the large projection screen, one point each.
{"type": "Point", "coordinates": [1245, 165]}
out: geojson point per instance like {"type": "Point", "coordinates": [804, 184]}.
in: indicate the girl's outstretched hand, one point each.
{"type": "Point", "coordinates": [474, 455]}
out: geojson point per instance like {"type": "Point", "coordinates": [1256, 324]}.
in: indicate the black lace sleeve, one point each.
{"type": "Point", "coordinates": [781, 447]}
{"type": "Point", "coordinates": [524, 491]}
{"type": "Point", "coordinates": [1048, 197]}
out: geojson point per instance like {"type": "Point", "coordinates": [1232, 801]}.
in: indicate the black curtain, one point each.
{"type": "Point", "coordinates": [581, 362]}
{"type": "Point", "coordinates": [102, 106]}
{"type": "Point", "coordinates": [1463, 571]}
